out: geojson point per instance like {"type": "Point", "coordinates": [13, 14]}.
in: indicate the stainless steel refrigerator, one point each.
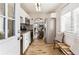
{"type": "Point", "coordinates": [50, 30]}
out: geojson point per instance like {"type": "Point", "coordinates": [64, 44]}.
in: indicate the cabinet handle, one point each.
{"type": "Point", "coordinates": [20, 38]}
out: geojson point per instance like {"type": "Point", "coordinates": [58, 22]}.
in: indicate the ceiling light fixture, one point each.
{"type": "Point", "coordinates": [37, 6]}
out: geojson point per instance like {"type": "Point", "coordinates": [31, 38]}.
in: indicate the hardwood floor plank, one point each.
{"type": "Point", "coordinates": [39, 47]}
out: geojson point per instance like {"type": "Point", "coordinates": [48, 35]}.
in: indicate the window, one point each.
{"type": "Point", "coordinates": [11, 21]}
{"type": "Point", "coordinates": [76, 20]}
{"type": "Point", "coordinates": [7, 19]}
{"type": "Point", "coordinates": [11, 10]}
{"type": "Point", "coordinates": [2, 29]}
{"type": "Point", "coordinates": [66, 22]}
{"type": "Point", "coordinates": [62, 24]}
{"type": "Point", "coordinates": [11, 27]}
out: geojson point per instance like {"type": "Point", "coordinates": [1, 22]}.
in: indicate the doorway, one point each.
{"type": "Point", "coordinates": [39, 30]}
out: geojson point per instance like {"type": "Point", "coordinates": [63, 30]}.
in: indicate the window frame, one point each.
{"type": "Point", "coordinates": [5, 18]}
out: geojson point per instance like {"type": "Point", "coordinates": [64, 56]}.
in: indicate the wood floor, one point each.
{"type": "Point", "coordinates": [39, 47]}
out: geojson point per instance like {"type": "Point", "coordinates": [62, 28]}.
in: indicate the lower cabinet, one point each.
{"type": "Point", "coordinates": [26, 40]}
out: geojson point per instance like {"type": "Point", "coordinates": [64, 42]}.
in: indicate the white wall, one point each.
{"type": "Point", "coordinates": [39, 15]}
{"type": "Point", "coordinates": [53, 15]}
{"type": "Point", "coordinates": [70, 38]}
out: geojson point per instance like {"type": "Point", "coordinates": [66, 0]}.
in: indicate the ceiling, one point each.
{"type": "Point", "coordinates": [45, 7]}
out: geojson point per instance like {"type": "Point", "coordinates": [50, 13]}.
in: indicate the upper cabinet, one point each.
{"type": "Point", "coordinates": [27, 21]}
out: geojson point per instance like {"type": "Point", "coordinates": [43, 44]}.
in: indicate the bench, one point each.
{"type": "Point", "coordinates": [60, 44]}
{"type": "Point", "coordinates": [64, 48]}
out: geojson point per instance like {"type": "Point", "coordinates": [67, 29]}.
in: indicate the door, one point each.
{"type": "Point", "coordinates": [51, 30]}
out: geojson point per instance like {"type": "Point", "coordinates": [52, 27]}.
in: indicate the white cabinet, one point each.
{"type": "Point", "coordinates": [26, 40]}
